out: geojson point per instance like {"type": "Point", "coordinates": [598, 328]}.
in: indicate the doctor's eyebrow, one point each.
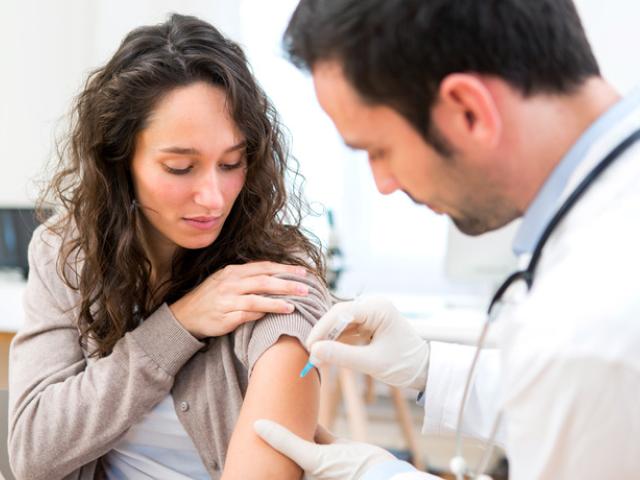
{"type": "Point", "coordinates": [190, 151]}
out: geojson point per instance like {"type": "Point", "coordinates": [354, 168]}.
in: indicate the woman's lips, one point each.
{"type": "Point", "coordinates": [203, 223]}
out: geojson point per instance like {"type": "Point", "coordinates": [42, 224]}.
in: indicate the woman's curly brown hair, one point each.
{"type": "Point", "coordinates": [93, 184]}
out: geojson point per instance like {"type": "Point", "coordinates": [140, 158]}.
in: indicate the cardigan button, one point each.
{"type": "Point", "coordinates": [184, 406]}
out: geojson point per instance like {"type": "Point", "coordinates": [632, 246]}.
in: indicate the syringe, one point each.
{"type": "Point", "coordinates": [334, 333]}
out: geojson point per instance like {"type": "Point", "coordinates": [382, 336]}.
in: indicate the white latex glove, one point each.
{"type": "Point", "coordinates": [392, 352]}
{"type": "Point", "coordinates": [329, 459]}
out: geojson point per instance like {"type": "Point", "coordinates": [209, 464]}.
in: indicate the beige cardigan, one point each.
{"type": "Point", "coordinates": [67, 410]}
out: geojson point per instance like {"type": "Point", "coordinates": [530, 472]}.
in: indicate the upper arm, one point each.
{"type": "Point", "coordinates": [275, 392]}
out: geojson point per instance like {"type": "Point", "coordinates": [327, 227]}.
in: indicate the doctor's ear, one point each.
{"type": "Point", "coordinates": [466, 112]}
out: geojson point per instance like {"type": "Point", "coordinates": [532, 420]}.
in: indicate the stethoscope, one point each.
{"type": "Point", "coordinates": [525, 277]}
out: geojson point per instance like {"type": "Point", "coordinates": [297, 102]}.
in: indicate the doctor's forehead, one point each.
{"type": "Point", "coordinates": [335, 93]}
{"type": "Point", "coordinates": [355, 119]}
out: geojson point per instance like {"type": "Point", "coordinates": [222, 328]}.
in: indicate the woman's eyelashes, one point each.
{"type": "Point", "coordinates": [222, 166]}
{"type": "Point", "coordinates": [178, 171]}
{"type": "Point", "coordinates": [232, 166]}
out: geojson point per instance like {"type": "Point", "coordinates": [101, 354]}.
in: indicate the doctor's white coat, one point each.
{"type": "Point", "coordinates": [567, 374]}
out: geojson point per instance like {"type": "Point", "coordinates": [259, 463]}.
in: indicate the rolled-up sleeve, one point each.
{"type": "Point", "coordinates": [254, 338]}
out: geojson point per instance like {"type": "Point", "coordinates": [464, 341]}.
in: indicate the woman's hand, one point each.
{"type": "Point", "coordinates": [235, 295]}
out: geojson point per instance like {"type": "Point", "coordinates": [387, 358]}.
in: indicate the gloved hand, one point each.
{"type": "Point", "coordinates": [329, 458]}
{"type": "Point", "coordinates": [393, 352]}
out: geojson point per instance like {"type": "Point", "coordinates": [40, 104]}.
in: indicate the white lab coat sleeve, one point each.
{"type": "Point", "coordinates": [396, 470]}
{"type": "Point", "coordinates": [448, 369]}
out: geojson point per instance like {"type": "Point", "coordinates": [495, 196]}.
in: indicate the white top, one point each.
{"type": "Point", "coordinates": [156, 447]}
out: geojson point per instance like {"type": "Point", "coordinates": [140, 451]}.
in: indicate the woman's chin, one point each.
{"type": "Point", "coordinates": [197, 242]}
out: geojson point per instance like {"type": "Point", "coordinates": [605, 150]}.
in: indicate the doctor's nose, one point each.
{"type": "Point", "coordinates": [208, 192]}
{"type": "Point", "coordinates": [386, 182]}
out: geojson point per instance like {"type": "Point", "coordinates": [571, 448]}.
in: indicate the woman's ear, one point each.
{"type": "Point", "coordinates": [466, 112]}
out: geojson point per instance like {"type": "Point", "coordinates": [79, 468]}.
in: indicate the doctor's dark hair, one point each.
{"type": "Point", "coordinates": [102, 256]}
{"type": "Point", "coordinates": [396, 52]}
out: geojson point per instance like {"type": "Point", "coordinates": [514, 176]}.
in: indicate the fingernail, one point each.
{"type": "Point", "coordinates": [302, 289]}
{"type": "Point", "coordinates": [290, 308]}
{"type": "Point", "coordinates": [301, 271]}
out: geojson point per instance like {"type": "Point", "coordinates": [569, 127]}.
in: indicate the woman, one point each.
{"type": "Point", "coordinates": [144, 353]}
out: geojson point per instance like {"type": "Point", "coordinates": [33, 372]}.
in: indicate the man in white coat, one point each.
{"type": "Point", "coordinates": [487, 111]}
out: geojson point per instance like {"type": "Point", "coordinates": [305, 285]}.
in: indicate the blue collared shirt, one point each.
{"type": "Point", "coordinates": [547, 200]}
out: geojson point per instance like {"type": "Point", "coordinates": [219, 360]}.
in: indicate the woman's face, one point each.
{"type": "Point", "coordinates": [188, 168]}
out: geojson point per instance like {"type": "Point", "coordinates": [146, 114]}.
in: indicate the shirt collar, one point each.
{"type": "Point", "coordinates": [544, 204]}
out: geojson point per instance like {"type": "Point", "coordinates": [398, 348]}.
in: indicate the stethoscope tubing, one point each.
{"type": "Point", "coordinates": [527, 275]}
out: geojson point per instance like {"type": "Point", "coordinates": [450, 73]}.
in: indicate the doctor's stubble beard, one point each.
{"type": "Point", "coordinates": [488, 214]}
{"type": "Point", "coordinates": [478, 213]}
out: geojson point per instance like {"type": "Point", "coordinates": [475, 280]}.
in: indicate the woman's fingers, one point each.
{"type": "Point", "coordinates": [258, 303]}
{"type": "Point", "coordinates": [236, 319]}
{"type": "Point", "coordinates": [268, 285]}
{"type": "Point", "coordinates": [253, 307]}
{"type": "Point", "coordinates": [237, 294]}
{"type": "Point", "coordinates": [249, 308]}
{"type": "Point", "coordinates": [264, 268]}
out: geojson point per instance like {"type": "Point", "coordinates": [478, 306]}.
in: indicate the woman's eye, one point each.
{"type": "Point", "coordinates": [178, 171]}
{"type": "Point", "coordinates": [232, 166]}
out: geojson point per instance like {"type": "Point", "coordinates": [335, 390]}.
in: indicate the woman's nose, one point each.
{"type": "Point", "coordinates": [209, 193]}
